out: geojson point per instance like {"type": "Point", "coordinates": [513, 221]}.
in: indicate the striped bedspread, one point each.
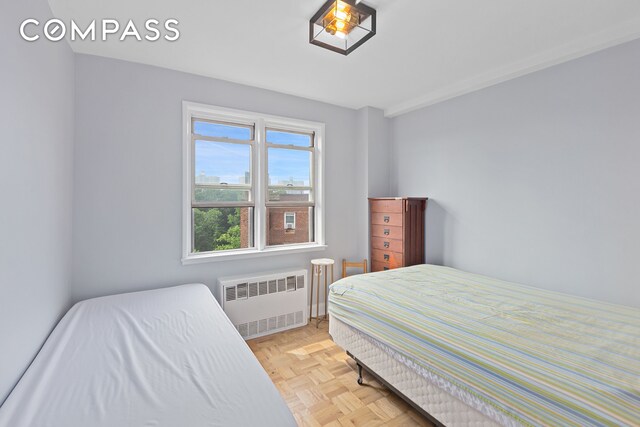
{"type": "Point", "coordinates": [519, 354]}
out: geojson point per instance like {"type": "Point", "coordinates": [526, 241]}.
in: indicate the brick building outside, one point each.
{"type": "Point", "coordinates": [285, 226]}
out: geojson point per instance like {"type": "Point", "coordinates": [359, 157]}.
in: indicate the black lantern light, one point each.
{"type": "Point", "coordinates": [342, 25]}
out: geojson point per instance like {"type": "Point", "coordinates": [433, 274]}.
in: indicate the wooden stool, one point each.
{"type": "Point", "coordinates": [320, 266]}
{"type": "Point", "coordinates": [347, 264]}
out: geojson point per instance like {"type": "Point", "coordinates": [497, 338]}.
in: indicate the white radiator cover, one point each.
{"type": "Point", "coordinates": [265, 303]}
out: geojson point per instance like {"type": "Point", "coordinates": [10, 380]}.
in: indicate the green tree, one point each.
{"type": "Point", "coordinates": [209, 224]}
{"type": "Point", "coordinates": [216, 228]}
{"type": "Point", "coordinates": [230, 239]}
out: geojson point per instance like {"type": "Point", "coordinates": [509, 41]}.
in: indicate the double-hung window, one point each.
{"type": "Point", "coordinates": [290, 189]}
{"type": "Point", "coordinates": [252, 184]}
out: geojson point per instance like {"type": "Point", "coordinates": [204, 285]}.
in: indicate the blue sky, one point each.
{"type": "Point", "coordinates": [231, 161]}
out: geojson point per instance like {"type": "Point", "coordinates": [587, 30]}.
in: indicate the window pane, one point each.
{"type": "Point", "coordinates": [289, 138]}
{"type": "Point", "coordinates": [204, 194]}
{"type": "Point", "coordinates": [221, 162]}
{"type": "Point", "coordinates": [289, 220]}
{"type": "Point", "coordinates": [284, 194]}
{"type": "Point", "coordinates": [220, 130]}
{"type": "Point", "coordinates": [289, 167]}
{"type": "Point", "coordinates": [279, 234]}
{"type": "Point", "coordinates": [218, 229]}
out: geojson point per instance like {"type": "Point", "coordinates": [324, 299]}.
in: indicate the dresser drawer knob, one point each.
{"type": "Point", "coordinates": [386, 231]}
{"type": "Point", "coordinates": [386, 244]}
{"type": "Point", "coordinates": [386, 257]}
{"type": "Point", "coordinates": [386, 219]}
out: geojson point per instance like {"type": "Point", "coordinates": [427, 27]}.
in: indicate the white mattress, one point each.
{"type": "Point", "coordinates": [168, 357]}
{"type": "Point", "coordinates": [390, 365]}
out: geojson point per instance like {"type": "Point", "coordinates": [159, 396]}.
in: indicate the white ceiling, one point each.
{"type": "Point", "coordinates": [425, 51]}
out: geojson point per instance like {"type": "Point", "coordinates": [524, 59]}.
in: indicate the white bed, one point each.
{"type": "Point", "coordinates": [168, 357]}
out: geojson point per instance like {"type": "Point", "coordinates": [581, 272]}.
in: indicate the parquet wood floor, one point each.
{"type": "Point", "coordinates": [318, 382]}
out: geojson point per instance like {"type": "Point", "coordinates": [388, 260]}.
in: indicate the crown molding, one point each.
{"type": "Point", "coordinates": [610, 37]}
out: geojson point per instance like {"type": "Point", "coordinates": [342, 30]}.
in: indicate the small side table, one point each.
{"type": "Point", "coordinates": [319, 267]}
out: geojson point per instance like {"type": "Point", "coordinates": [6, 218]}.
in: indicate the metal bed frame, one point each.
{"type": "Point", "coordinates": [381, 380]}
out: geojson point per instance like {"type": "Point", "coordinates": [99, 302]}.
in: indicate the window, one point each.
{"type": "Point", "coordinates": [252, 184]}
{"type": "Point", "coordinates": [289, 220]}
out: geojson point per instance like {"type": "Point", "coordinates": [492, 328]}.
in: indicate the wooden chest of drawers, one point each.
{"type": "Point", "coordinates": [397, 232]}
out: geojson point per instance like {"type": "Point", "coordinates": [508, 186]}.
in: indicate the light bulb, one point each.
{"type": "Point", "coordinates": [340, 25]}
{"type": "Point", "coordinates": [341, 14]}
{"type": "Point", "coordinates": [341, 35]}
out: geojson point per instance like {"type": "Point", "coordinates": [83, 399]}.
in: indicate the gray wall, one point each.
{"type": "Point", "coordinates": [378, 153]}
{"type": "Point", "coordinates": [373, 162]}
{"type": "Point", "coordinates": [361, 186]}
{"type": "Point", "coordinates": [535, 180]}
{"type": "Point", "coordinates": [128, 176]}
{"type": "Point", "coordinates": [36, 154]}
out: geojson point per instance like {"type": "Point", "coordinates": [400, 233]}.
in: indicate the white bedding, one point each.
{"type": "Point", "coordinates": [168, 357]}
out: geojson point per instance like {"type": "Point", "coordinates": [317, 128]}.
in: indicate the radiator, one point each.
{"type": "Point", "coordinates": [266, 303]}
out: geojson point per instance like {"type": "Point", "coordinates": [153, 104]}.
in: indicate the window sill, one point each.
{"type": "Point", "coordinates": [250, 253]}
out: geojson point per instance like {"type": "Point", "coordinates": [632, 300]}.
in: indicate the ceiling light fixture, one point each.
{"type": "Point", "coordinates": [342, 25]}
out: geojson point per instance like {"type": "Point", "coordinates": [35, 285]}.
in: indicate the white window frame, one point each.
{"type": "Point", "coordinates": [260, 184]}
{"type": "Point", "coordinates": [294, 220]}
